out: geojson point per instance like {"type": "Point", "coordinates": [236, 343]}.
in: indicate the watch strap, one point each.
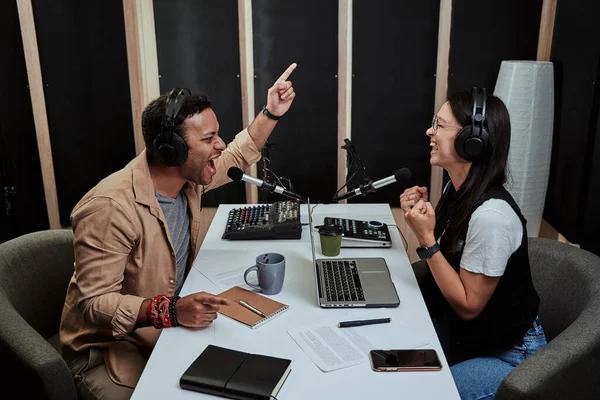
{"type": "Point", "coordinates": [268, 114]}
{"type": "Point", "coordinates": [425, 253]}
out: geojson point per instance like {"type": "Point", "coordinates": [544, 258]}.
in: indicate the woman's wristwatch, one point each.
{"type": "Point", "coordinates": [425, 253]}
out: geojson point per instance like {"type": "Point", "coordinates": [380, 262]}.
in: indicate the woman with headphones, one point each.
{"type": "Point", "coordinates": [476, 280]}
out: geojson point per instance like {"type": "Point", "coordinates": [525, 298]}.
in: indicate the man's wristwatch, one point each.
{"type": "Point", "coordinates": [425, 253]}
{"type": "Point", "coordinates": [268, 114]}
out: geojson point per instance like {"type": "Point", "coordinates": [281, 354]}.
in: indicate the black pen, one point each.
{"type": "Point", "coordinates": [349, 324]}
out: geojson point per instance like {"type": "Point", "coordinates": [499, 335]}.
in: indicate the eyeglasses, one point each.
{"type": "Point", "coordinates": [435, 124]}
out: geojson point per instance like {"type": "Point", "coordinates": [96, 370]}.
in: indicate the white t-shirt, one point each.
{"type": "Point", "coordinates": [495, 232]}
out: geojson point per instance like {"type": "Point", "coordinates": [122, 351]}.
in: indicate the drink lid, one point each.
{"type": "Point", "coordinates": [330, 230]}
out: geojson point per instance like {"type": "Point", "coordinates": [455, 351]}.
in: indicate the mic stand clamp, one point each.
{"type": "Point", "coordinates": [367, 187]}
{"type": "Point", "coordinates": [268, 186]}
{"type": "Point", "coordinates": [363, 190]}
{"type": "Point", "coordinates": [271, 187]}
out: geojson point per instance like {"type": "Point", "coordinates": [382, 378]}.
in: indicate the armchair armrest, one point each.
{"type": "Point", "coordinates": [35, 353]}
{"type": "Point", "coordinates": [566, 368]}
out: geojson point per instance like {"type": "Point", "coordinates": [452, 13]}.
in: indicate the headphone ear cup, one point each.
{"type": "Point", "coordinates": [475, 146]}
{"type": "Point", "coordinates": [181, 149]}
{"type": "Point", "coordinates": [470, 147]}
{"type": "Point", "coordinates": [163, 151]}
{"type": "Point", "coordinates": [460, 142]}
{"type": "Point", "coordinates": [171, 154]}
{"type": "Point", "coordinates": [485, 138]}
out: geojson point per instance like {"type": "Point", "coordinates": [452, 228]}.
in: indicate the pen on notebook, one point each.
{"type": "Point", "coordinates": [349, 324]}
{"type": "Point", "coordinates": [253, 309]}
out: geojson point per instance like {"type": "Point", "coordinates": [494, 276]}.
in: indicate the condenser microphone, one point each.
{"type": "Point", "coordinates": [402, 176]}
{"type": "Point", "coordinates": [236, 174]}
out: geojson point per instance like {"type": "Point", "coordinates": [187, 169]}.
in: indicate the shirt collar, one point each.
{"type": "Point", "coordinates": [143, 188]}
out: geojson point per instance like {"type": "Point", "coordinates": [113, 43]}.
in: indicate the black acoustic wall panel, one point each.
{"type": "Point", "coordinates": [83, 57]}
{"type": "Point", "coordinates": [393, 89]}
{"type": "Point", "coordinates": [198, 48]}
{"type": "Point", "coordinates": [304, 141]}
{"type": "Point", "coordinates": [484, 33]}
{"type": "Point", "coordinates": [22, 203]}
{"type": "Point", "coordinates": [572, 197]}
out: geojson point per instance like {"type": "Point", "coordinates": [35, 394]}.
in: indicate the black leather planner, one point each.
{"type": "Point", "coordinates": [235, 374]}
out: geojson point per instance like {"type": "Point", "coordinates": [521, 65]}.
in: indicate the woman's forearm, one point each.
{"type": "Point", "coordinates": [451, 286]}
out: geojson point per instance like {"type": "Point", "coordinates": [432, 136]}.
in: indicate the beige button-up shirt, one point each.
{"type": "Point", "coordinates": [123, 255]}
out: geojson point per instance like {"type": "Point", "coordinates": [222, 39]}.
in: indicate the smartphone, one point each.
{"type": "Point", "coordinates": [405, 360]}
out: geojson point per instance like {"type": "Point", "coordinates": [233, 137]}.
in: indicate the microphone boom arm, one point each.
{"type": "Point", "coordinates": [271, 187]}
{"type": "Point", "coordinates": [402, 176]}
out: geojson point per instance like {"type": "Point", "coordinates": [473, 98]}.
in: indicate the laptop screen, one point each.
{"type": "Point", "coordinates": [311, 232]}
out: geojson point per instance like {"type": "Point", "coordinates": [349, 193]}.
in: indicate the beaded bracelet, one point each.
{"type": "Point", "coordinates": [172, 314]}
{"type": "Point", "coordinates": [159, 311]}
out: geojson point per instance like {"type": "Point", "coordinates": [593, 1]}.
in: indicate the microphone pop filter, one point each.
{"type": "Point", "coordinates": [235, 174]}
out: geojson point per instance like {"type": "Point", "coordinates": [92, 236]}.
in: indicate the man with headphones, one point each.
{"type": "Point", "coordinates": [137, 233]}
{"type": "Point", "coordinates": [474, 270]}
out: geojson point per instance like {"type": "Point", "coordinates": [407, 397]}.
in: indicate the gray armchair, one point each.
{"type": "Point", "coordinates": [568, 367]}
{"type": "Point", "coordinates": [34, 273]}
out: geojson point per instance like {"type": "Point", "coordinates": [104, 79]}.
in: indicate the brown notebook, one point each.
{"type": "Point", "coordinates": [267, 306]}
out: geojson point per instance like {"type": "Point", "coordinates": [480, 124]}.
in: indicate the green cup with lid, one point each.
{"type": "Point", "coordinates": [331, 239]}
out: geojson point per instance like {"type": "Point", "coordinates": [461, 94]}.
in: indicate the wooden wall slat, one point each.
{"type": "Point", "coordinates": [38, 104]}
{"type": "Point", "coordinates": [441, 87]}
{"type": "Point", "coordinates": [543, 54]}
{"type": "Point", "coordinates": [142, 59]}
{"type": "Point", "coordinates": [344, 85]}
{"type": "Point", "coordinates": [546, 30]}
{"type": "Point", "coordinates": [247, 81]}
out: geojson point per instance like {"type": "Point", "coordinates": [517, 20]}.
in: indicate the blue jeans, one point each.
{"type": "Point", "coordinates": [479, 378]}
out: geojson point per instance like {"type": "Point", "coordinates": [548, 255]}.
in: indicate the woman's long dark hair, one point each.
{"type": "Point", "coordinates": [489, 172]}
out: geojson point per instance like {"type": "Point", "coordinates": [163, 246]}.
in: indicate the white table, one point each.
{"type": "Point", "coordinates": [177, 348]}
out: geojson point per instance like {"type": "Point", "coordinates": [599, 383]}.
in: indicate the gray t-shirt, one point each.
{"type": "Point", "coordinates": [178, 222]}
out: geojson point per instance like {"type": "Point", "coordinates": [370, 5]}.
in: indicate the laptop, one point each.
{"type": "Point", "coordinates": [352, 282]}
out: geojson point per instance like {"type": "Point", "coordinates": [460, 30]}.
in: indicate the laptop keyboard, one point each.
{"type": "Point", "coordinates": [342, 282]}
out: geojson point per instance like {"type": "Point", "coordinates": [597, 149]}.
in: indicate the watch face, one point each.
{"type": "Point", "coordinates": [423, 252]}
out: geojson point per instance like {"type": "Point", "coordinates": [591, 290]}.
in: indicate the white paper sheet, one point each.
{"type": "Point", "coordinates": [225, 269]}
{"type": "Point", "coordinates": [331, 348]}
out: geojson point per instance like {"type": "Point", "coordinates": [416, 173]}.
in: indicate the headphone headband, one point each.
{"type": "Point", "coordinates": [479, 105]}
{"type": "Point", "coordinates": [471, 141]}
{"type": "Point", "coordinates": [170, 147]}
{"type": "Point", "coordinates": [173, 104]}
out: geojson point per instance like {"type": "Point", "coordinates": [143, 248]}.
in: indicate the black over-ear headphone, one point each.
{"type": "Point", "coordinates": [168, 146]}
{"type": "Point", "coordinates": [471, 141]}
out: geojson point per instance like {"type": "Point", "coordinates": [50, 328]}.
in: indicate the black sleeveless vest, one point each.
{"type": "Point", "coordinates": [510, 311]}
